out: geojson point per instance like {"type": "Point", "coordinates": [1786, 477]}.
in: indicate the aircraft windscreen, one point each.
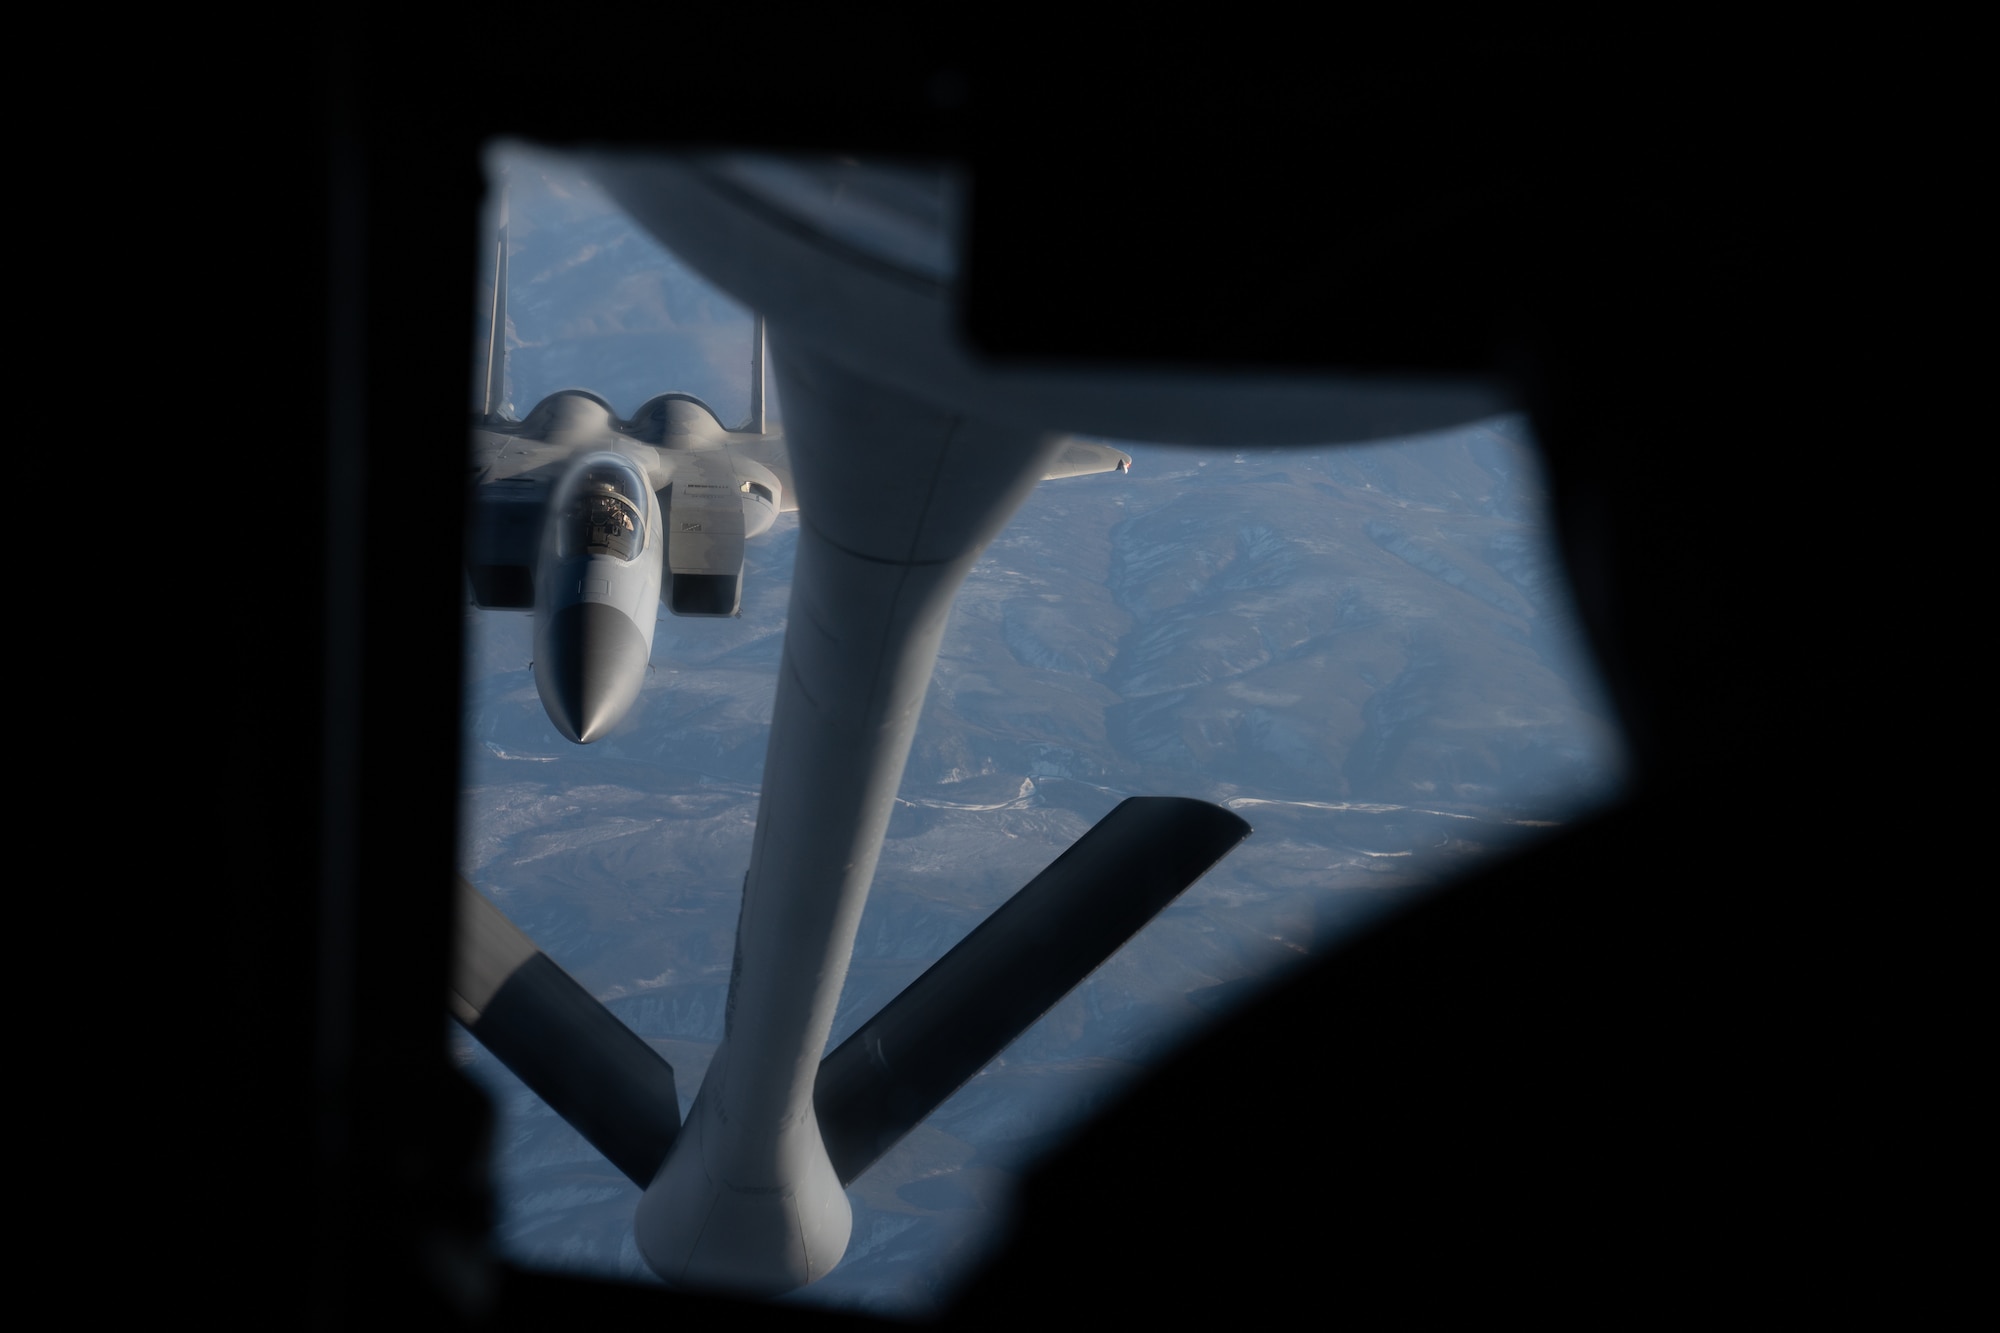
{"type": "Point", "coordinates": [605, 512]}
{"type": "Point", "coordinates": [601, 525]}
{"type": "Point", "coordinates": [614, 476]}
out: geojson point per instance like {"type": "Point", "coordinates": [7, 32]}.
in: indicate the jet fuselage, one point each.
{"type": "Point", "coordinates": [597, 587]}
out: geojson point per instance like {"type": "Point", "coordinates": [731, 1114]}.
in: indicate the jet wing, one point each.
{"type": "Point", "coordinates": [704, 512]}
{"type": "Point", "coordinates": [512, 476]}
{"type": "Point", "coordinates": [1080, 458]}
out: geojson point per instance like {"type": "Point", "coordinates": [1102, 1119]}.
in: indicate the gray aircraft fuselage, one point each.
{"type": "Point", "coordinates": [596, 584]}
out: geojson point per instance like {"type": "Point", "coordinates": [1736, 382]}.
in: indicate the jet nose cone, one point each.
{"type": "Point", "coordinates": [590, 669]}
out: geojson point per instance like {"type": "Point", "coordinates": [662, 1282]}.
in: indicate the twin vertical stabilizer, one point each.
{"type": "Point", "coordinates": [490, 391]}
{"type": "Point", "coordinates": [755, 424]}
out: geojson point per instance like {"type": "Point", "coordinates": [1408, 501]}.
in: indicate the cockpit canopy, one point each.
{"type": "Point", "coordinates": [603, 510]}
